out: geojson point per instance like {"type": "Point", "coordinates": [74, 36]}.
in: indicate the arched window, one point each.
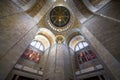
{"type": "Point", "coordinates": [37, 44]}
{"type": "Point", "coordinates": [81, 45]}
{"type": "Point", "coordinates": [34, 54]}
{"type": "Point", "coordinates": [83, 52]}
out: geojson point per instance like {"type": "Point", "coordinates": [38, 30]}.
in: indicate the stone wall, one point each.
{"type": "Point", "coordinates": [103, 33]}
{"type": "Point", "coordinates": [15, 35]}
{"type": "Point", "coordinates": [107, 32]}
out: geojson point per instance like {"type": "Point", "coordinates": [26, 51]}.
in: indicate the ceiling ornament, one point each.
{"type": "Point", "coordinates": [59, 18]}
{"type": "Point", "coordinates": [59, 39]}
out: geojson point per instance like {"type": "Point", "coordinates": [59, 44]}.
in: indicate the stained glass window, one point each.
{"type": "Point", "coordinates": [34, 53]}
{"type": "Point", "coordinates": [84, 53]}
{"type": "Point", "coordinates": [85, 56]}
{"type": "Point", "coordinates": [31, 55]}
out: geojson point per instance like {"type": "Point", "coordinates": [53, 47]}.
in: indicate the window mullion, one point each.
{"type": "Point", "coordinates": [40, 45]}
{"type": "Point", "coordinates": [78, 45]}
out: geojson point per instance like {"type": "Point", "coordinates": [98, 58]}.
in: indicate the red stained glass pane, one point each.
{"type": "Point", "coordinates": [31, 55]}
{"type": "Point", "coordinates": [86, 56]}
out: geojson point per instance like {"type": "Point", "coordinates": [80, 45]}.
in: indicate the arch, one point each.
{"type": "Point", "coordinates": [43, 40]}
{"type": "Point", "coordinates": [34, 10]}
{"type": "Point", "coordinates": [71, 34]}
{"type": "Point", "coordinates": [82, 8]}
{"type": "Point", "coordinates": [48, 34]}
{"type": "Point", "coordinates": [95, 5]}
{"type": "Point", "coordinates": [37, 44]}
{"type": "Point", "coordinates": [25, 4]}
{"type": "Point", "coordinates": [74, 41]}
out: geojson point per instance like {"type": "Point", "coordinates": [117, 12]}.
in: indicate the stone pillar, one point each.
{"type": "Point", "coordinates": [59, 64]}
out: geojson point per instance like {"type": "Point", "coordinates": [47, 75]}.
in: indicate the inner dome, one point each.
{"type": "Point", "coordinates": [60, 16]}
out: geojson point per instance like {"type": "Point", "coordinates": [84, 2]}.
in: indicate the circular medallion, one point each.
{"type": "Point", "coordinates": [59, 39]}
{"type": "Point", "coordinates": [59, 16]}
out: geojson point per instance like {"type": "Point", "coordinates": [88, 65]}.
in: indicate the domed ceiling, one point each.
{"type": "Point", "coordinates": [59, 16]}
